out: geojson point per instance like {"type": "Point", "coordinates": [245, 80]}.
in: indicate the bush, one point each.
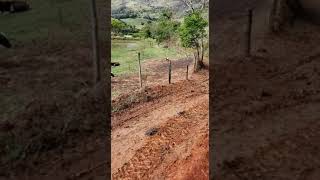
{"type": "Point", "coordinates": [123, 13]}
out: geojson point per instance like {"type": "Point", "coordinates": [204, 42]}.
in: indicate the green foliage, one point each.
{"type": "Point", "coordinates": [123, 13]}
{"type": "Point", "coordinates": [120, 28]}
{"type": "Point", "coordinates": [164, 29]}
{"type": "Point", "coordinates": [192, 30]}
{"type": "Point", "coordinates": [138, 22]}
{"type": "Point", "coordinates": [146, 31]}
{"type": "Point", "coordinates": [166, 14]}
{"type": "Point", "coordinates": [117, 26]}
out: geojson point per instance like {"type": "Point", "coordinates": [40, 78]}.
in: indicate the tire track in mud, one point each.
{"type": "Point", "coordinates": [168, 102]}
{"type": "Point", "coordinates": [196, 164]}
{"type": "Point", "coordinates": [171, 134]}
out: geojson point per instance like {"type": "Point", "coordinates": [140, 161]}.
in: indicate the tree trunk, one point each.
{"type": "Point", "coordinates": [195, 62]}
{"type": "Point", "coordinates": [199, 63]}
{"type": "Point", "coordinates": [202, 49]}
{"type": "Point", "coordinates": [198, 58]}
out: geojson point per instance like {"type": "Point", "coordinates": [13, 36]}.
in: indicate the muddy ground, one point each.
{"type": "Point", "coordinates": [264, 120]}
{"type": "Point", "coordinates": [48, 104]}
{"type": "Point", "coordinates": [178, 114]}
{"type": "Point", "coordinates": [65, 74]}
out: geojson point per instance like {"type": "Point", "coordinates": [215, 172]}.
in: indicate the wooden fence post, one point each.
{"type": "Point", "coordinates": [169, 71]}
{"type": "Point", "coordinates": [60, 16]}
{"type": "Point", "coordinates": [248, 35]}
{"type": "Point", "coordinates": [140, 74]}
{"type": "Point", "coordinates": [187, 72]}
{"type": "Point", "coordinates": [272, 16]}
{"type": "Point", "coordinates": [95, 39]}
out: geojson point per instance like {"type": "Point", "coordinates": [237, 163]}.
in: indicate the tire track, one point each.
{"type": "Point", "coordinates": [171, 134]}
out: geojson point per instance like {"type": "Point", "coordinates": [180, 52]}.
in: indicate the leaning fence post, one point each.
{"type": "Point", "coordinates": [187, 72]}
{"type": "Point", "coordinates": [169, 70]}
{"type": "Point", "coordinates": [248, 35]}
{"type": "Point", "coordinates": [140, 75]}
{"type": "Point", "coordinates": [95, 43]}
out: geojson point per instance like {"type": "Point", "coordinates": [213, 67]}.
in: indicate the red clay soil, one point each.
{"type": "Point", "coordinates": [179, 113]}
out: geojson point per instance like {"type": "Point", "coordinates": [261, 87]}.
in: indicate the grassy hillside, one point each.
{"type": "Point", "coordinates": [149, 7]}
{"type": "Point", "coordinates": [145, 4]}
{"type": "Point", "coordinates": [135, 13]}
{"type": "Point", "coordinates": [126, 53]}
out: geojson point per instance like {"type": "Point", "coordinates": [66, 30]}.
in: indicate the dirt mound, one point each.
{"type": "Point", "coordinates": [47, 124]}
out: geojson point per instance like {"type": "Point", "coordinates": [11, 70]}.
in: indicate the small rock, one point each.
{"type": "Point", "coordinates": [181, 113]}
{"type": "Point", "coordinates": [152, 132]}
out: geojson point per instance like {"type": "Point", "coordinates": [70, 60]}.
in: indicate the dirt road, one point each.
{"type": "Point", "coordinates": [179, 115]}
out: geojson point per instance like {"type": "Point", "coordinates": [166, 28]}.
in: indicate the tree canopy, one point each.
{"type": "Point", "coordinates": [192, 30]}
{"type": "Point", "coordinates": [164, 29]}
{"type": "Point", "coordinates": [120, 27]}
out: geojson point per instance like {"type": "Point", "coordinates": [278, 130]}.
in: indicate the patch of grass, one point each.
{"type": "Point", "coordinates": [126, 53]}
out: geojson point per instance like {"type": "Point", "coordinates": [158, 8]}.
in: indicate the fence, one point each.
{"type": "Point", "coordinates": [169, 70]}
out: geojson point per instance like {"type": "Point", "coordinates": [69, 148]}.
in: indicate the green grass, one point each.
{"type": "Point", "coordinates": [69, 18]}
{"type": "Point", "coordinates": [126, 53]}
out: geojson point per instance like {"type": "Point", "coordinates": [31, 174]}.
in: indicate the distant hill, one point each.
{"type": "Point", "coordinates": [145, 4]}
{"type": "Point", "coordinates": [148, 7]}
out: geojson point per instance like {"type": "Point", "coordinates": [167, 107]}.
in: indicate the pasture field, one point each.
{"type": "Point", "coordinates": [126, 53]}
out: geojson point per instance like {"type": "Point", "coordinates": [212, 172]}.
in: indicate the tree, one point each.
{"type": "Point", "coordinates": [165, 27]}
{"type": "Point", "coordinates": [146, 31]}
{"type": "Point", "coordinates": [117, 26]}
{"type": "Point", "coordinates": [191, 32]}
{"type": "Point", "coordinates": [192, 4]}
